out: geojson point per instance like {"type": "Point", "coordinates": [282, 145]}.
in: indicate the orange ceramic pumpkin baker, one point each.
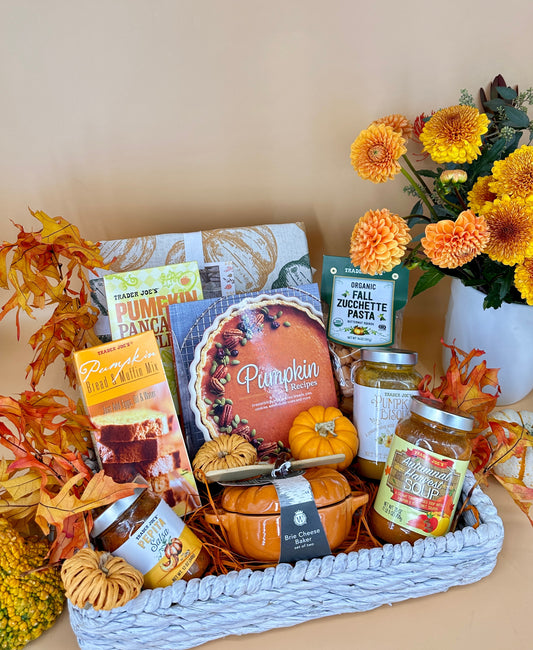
{"type": "Point", "coordinates": [323, 431]}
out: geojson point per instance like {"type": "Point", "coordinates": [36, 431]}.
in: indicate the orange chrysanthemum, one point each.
{"type": "Point", "coordinates": [523, 280]}
{"type": "Point", "coordinates": [510, 223]}
{"type": "Point", "coordinates": [514, 175]}
{"type": "Point", "coordinates": [378, 241]}
{"type": "Point", "coordinates": [480, 194]}
{"type": "Point", "coordinates": [398, 123]}
{"type": "Point", "coordinates": [375, 153]}
{"type": "Point", "coordinates": [449, 244]}
{"type": "Point", "coordinates": [454, 134]}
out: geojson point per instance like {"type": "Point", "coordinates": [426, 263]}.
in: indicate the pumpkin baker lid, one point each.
{"type": "Point", "coordinates": [328, 485]}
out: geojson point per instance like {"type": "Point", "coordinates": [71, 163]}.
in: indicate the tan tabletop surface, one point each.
{"type": "Point", "coordinates": [494, 612]}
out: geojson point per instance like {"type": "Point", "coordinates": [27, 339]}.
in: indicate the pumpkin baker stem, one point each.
{"type": "Point", "coordinates": [325, 428]}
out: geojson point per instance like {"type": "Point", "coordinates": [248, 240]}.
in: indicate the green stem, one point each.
{"type": "Point", "coordinates": [449, 203]}
{"type": "Point", "coordinates": [420, 193]}
{"type": "Point", "coordinates": [415, 172]}
{"type": "Point", "coordinates": [461, 201]}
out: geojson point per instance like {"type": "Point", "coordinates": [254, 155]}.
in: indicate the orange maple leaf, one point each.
{"type": "Point", "coordinates": [463, 387]}
{"type": "Point", "coordinates": [101, 490]}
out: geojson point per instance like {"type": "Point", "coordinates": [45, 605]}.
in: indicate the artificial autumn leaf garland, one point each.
{"type": "Point", "coordinates": [49, 482]}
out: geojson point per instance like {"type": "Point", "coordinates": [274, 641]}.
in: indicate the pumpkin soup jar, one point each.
{"type": "Point", "coordinates": [424, 474]}
{"type": "Point", "coordinates": [384, 381]}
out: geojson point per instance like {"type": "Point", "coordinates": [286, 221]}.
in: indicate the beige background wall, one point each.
{"type": "Point", "coordinates": [133, 117]}
{"type": "Point", "coordinates": [137, 116]}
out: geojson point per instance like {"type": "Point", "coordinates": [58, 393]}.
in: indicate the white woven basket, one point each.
{"type": "Point", "coordinates": [186, 615]}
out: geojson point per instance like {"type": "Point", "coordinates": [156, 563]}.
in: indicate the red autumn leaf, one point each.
{"type": "Point", "coordinates": [70, 538]}
{"type": "Point", "coordinates": [481, 454]}
{"type": "Point", "coordinates": [463, 387]}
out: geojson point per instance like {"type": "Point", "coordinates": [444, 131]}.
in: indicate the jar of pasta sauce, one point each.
{"type": "Point", "coordinates": [384, 381]}
{"type": "Point", "coordinates": [147, 533]}
{"type": "Point", "coordinates": [425, 470]}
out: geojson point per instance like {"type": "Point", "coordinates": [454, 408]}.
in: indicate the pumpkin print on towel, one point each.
{"type": "Point", "coordinates": [128, 254]}
{"type": "Point", "coordinates": [253, 252]}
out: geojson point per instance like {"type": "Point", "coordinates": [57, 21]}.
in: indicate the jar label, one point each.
{"type": "Point", "coordinates": [420, 489]}
{"type": "Point", "coordinates": [376, 412]}
{"type": "Point", "coordinates": [163, 549]}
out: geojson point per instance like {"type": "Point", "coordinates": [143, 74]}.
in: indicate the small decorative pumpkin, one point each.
{"type": "Point", "coordinates": [224, 452]}
{"type": "Point", "coordinates": [100, 579]}
{"type": "Point", "coordinates": [321, 431]}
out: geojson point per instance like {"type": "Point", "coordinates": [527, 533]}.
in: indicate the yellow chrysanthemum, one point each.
{"type": "Point", "coordinates": [375, 153]}
{"type": "Point", "coordinates": [454, 134]}
{"type": "Point", "coordinates": [398, 123]}
{"type": "Point", "coordinates": [514, 175]}
{"type": "Point", "coordinates": [449, 244]}
{"type": "Point", "coordinates": [510, 223]}
{"type": "Point", "coordinates": [480, 194]}
{"type": "Point", "coordinates": [378, 241]}
{"type": "Point", "coordinates": [523, 280]}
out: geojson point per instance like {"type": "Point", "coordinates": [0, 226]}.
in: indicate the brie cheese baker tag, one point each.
{"type": "Point", "coordinates": [302, 534]}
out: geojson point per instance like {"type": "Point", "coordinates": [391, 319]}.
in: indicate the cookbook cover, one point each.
{"type": "Point", "coordinates": [136, 429]}
{"type": "Point", "coordinates": [248, 364]}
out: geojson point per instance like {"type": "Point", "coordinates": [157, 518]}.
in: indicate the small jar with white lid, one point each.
{"type": "Point", "coordinates": [384, 381]}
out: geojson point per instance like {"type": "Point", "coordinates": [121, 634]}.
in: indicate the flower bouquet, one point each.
{"type": "Point", "coordinates": [475, 199]}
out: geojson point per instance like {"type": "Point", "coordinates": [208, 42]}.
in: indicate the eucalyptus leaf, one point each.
{"type": "Point", "coordinates": [517, 118]}
{"type": "Point", "coordinates": [418, 208]}
{"type": "Point", "coordinates": [413, 220]}
{"type": "Point", "coordinates": [494, 104]}
{"type": "Point", "coordinates": [507, 93]}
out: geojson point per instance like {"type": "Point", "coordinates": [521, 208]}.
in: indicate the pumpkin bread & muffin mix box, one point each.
{"type": "Point", "coordinates": [136, 428]}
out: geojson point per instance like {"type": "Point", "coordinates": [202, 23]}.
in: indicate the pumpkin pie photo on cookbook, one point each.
{"type": "Point", "coordinates": [259, 361]}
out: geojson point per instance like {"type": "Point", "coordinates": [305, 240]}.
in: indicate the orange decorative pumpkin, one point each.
{"type": "Point", "coordinates": [322, 431]}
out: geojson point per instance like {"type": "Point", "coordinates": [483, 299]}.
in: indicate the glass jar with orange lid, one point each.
{"type": "Point", "coordinates": [384, 381]}
{"type": "Point", "coordinates": [147, 533]}
{"type": "Point", "coordinates": [424, 474]}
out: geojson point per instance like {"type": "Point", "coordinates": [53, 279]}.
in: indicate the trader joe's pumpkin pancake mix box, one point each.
{"type": "Point", "coordinates": [231, 260]}
{"type": "Point", "coordinates": [247, 365]}
{"type": "Point", "coordinates": [137, 300]}
{"type": "Point", "coordinates": [136, 429]}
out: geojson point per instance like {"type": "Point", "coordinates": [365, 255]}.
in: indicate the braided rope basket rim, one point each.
{"type": "Point", "coordinates": [187, 614]}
